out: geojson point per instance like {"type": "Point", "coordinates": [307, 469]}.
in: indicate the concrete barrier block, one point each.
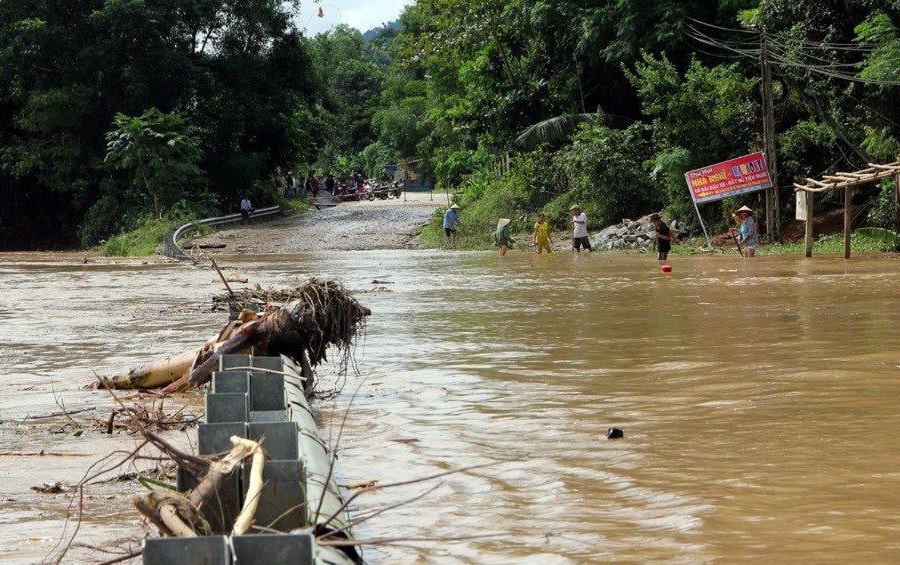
{"type": "Point", "coordinates": [226, 407]}
{"type": "Point", "coordinates": [282, 503]}
{"type": "Point", "coordinates": [274, 549]}
{"type": "Point", "coordinates": [229, 362]}
{"type": "Point", "coordinates": [205, 550]}
{"type": "Point", "coordinates": [281, 438]}
{"type": "Point", "coordinates": [267, 391]}
{"type": "Point", "coordinates": [268, 416]}
{"type": "Point", "coordinates": [271, 363]}
{"type": "Point", "coordinates": [216, 438]}
{"type": "Point", "coordinates": [231, 381]}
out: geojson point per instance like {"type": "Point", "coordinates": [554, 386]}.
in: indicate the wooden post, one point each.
{"type": "Point", "coordinates": [809, 223]}
{"type": "Point", "coordinates": [897, 204]}
{"type": "Point", "coordinates": [773, 213]}
{"type": "Point", "coordinates": [848, 193]}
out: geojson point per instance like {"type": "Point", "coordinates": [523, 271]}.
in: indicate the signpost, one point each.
{"type": "Point", "coordinates": [728, 178]}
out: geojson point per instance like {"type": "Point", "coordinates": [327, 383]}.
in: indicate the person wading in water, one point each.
{"type": "Point", "coordinates": [579, 230]}
{"type": "Point", "coordinates": [747, 233]}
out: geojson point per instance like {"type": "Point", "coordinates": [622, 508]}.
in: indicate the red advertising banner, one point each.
{"type": "Point", "coordinates": [730, 178]}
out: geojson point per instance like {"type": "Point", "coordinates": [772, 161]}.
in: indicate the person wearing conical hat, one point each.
{"type": "Point", "coordinates": [501, 236]}
{"type": "Point", "coordinates": [747, 232]}
{"type": "Point", "coordinates": [451, 221]}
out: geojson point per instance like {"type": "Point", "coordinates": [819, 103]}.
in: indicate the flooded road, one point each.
{"type": "Point", "coordinates": [760, 399]}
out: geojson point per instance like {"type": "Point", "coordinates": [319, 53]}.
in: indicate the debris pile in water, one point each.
{"type": "Point", "coordinates": [255, 299]}
{"type": "Point", "coordinates": [313, 317]}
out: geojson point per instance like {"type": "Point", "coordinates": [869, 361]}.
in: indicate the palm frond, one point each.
{"type": "Point", "coordinates": [554, 130]}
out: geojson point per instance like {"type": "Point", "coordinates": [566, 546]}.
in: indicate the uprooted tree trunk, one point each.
{"type": "Point", "coordinates": [323, 315]}
{"type": "Point", "coordinates": [160, 373]}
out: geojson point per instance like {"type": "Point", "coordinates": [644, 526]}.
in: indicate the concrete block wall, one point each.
{"type": "Point", "coordinates": [262, 398]}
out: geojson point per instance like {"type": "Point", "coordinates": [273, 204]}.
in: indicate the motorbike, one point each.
{"type": "Point", "coordinates": [348, 195]}
{"type": "Point", "coordinates": [378, 190]}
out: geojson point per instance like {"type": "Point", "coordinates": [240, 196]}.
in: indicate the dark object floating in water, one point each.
{"type": "Point", "coordinates": [615, 433]}
{"type": "Point", "coordinates": [376, 281]}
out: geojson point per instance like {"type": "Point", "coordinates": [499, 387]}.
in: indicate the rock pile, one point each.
{"type": "Point", "coordinates": [630, 234]}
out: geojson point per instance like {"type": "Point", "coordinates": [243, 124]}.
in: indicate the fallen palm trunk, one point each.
{"type": "Point", "coordinates": [154, 375]}
{"type": "Point", "coordinates": [161, 373]}
{"type": "Point", "coordinates": [323, 315]}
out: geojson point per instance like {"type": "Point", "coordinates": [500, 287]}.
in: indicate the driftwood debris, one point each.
{"type": "Point", "coordinates": [320, 315]}
{"type": "Point", "coordinates": [183, 514]}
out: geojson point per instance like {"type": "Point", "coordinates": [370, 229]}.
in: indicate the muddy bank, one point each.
{"type": "Point", "coordinates": [381, 224]}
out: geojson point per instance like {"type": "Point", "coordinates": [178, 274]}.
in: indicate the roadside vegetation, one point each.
{"type": "Point", "coordinates": [139, 242]}
{"type": "Point", "coordinates": [515, 107]}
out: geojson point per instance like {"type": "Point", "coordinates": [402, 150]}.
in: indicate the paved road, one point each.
{"type": "Point", "coordinates": [380, 224]}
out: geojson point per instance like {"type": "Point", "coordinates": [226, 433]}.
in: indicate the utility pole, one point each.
{"type": "Point", "coordinates": [773, 216]}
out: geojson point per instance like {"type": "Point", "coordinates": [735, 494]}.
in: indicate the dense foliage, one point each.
{"type": "Point", "coordinates": [116, 112]}
{"type": "Point", "coordinates": [232, 79]}
{"type": "Point", "coordinates": [658, 88]}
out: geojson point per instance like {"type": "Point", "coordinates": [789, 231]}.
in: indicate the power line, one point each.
{"type": "Point", "coordinates": [781, 57]}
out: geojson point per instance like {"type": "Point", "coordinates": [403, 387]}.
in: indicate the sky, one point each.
{"type": "Point", "coordinates": [361, 14]}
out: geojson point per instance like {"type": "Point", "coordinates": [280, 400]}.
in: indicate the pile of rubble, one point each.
{"type": "Point", "coordinates": [630, 234]}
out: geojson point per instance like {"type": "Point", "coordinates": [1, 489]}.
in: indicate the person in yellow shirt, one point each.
{"type": "Point", "coordinates": [541, 234]}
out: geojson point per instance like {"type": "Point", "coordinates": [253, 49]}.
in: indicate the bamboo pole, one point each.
{"type": "Point", "coordinates": [221, 276]}
{"type": "Point", "coordinates": [847, 195]}
{"type": "Point", "coordinates": [810, 196]}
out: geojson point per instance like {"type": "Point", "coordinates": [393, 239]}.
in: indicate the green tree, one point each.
{"type": "Point", "coordinates": [159, 151]}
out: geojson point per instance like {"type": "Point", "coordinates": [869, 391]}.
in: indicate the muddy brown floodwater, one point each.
{"type": "Point", "coordinates": [760, 400]}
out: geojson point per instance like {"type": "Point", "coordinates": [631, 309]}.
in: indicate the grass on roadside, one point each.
{"type": "Point", "coordinates": [148, 236]}
{"type": "Point", "coordinates": [478, 224]}
{"type": "Point", "coordinates": [860, 242]}
{"type": "Point", "coordinates": [293, 204]}
{"type": "Point", "coordinates": [140, 242]}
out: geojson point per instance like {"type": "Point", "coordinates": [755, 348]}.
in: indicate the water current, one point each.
{"type": "Point", "coordinates": [760, 400]}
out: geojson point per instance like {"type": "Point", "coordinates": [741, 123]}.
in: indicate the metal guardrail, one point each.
{"type": "Point", "coordinates": [171, 247]}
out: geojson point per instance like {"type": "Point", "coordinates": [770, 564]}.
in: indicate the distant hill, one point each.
{"type": "Point", "coordinates": [386, 28]}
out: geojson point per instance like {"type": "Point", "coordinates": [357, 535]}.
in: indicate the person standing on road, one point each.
{"type": "Point", "coordinates": [312, 185]}
{"type": "Point", "coordinates": [291, 185]}
{"type": "Point", "coordinates": [451, 221]}
{"type": "Point", "coordinates": [663, 237]}
{"type": "Point", "coordinates": [579, 230]}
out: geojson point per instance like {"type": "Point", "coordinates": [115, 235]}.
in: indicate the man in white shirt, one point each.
{"type": "Point", "coordinates": [579, 233]}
